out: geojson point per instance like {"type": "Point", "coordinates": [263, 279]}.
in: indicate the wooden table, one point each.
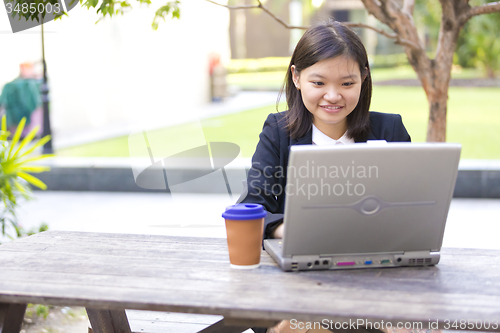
{"type": "Point", "coordinates": [107, 273]}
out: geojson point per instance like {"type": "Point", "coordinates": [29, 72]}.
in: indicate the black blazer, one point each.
{"type": "Point", "coordinates": [267, 177]}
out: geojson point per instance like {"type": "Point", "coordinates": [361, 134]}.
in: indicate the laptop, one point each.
{"type": "Point", "coordinates": [365, 205]}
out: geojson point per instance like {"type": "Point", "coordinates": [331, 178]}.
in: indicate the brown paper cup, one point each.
{"type": "Point", "coordinates": [244, 242]}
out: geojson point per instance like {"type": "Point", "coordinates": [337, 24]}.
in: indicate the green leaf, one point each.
{"type": "Point", "coordinates": [27, 139]}
{"type": "Point", "coordinates": [41, 142]}
{"type": "Point", "coordinates": [34, 168]}
{"type": "Point", "coordinates": [32, 180]}
{"type": "Point", "coordinates": [33, 159]}
{"type": "Point", "coordinates": [176, 13]}
{"type": "Point", "coordinates": [17, 135]}
{"type": "Point", "coordinates": [4, 135]}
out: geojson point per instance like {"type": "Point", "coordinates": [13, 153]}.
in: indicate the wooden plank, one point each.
{"type": "Point", "coordinates": [179, 259]}
{"type": "Point", "coordinates": [172, 317]}
{"type": "Point", "coordinates": [65, 281]}
{"type": "Point", "coordinates": [146, 326]}
{"type": "Point", "coordinates": [58, 282]}
{"type": "Point", "coordinates": [11, 317]}
{"type": "Point", "coordinates": [108, 321]}
{"type": "Point", "coordinates": [159, 322]}
{"type": "Point", "coordinates": [56, 236]}
{"type": "Point", "coordinates": [187, 282]}
{"type": "Point", "coordinates": [165, 275]}
{"type": "Point", "coordinates": [473, 261]}
{"type": "Point", "coordinates": [158, 284]}
{"type": "Point", "coordinates": [116, 248]}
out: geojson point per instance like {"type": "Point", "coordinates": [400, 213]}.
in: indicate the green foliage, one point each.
{"type": "Point", "coordinates": [15, 176]}
{"type": "Point", "coordinates": [116, 7]}
{"type": "Point", "coordinates": [478, 45]}
{"type": "Point", "coordinates": [427, 15]}
{"type": "Point", "coordinates": [40, 310]}
{"type": "Point", "coordinates": [163, 12]}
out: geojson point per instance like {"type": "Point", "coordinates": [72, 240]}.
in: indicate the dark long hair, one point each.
{"type": "Point", "coordinates": [326, 41]}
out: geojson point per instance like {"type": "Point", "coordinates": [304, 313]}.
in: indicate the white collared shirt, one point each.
{"type": "Point", "coordinates": [321, 139]}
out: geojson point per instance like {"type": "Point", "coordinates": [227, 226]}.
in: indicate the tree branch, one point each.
{"type": "Point", "coordinates": [234, 7]}
{"type": "Point", "coordinates": [491, 7]}
{"type": "Point", "coordinates": [373, 7]}
{"type": "Point", "coordinates": [399, 41]}
{"type": "Point", "coordinates": [408, 7]}
{"type": "Point", "coordinates": [389, 13]}
{"type": "Point", "coordinates": [265, 9]}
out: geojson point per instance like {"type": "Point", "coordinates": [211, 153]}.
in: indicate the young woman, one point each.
{"type": "Point", "coordinates": [328, 91]}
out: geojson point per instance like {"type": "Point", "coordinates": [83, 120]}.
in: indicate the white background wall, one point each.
{"type": "Point", "coordinates": [120, 73]}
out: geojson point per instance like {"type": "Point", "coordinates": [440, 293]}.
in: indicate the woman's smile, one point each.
{"type": "Point", "coordinates": [332, 108]}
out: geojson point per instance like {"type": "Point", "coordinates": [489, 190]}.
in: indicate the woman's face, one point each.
{"type": "Point", "coordinates": [330, 90]}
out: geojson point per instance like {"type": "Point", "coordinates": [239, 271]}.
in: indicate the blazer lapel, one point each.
{"type": "Point", "coordinates": [305, 140]}
{"type": "Point", "coordinates": [370, 137]}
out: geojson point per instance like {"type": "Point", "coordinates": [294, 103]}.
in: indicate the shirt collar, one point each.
{"type": "Point", "coordinates": [321, 139]}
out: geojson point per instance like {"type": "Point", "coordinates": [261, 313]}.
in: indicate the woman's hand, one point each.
{"type": "Point", "coordinates": [284, 326]}
{"type": "Point", "coordinates": [278, 232]}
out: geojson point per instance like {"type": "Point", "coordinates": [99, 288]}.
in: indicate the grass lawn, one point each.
{"type": "Point", "coordinates": [473, 119]}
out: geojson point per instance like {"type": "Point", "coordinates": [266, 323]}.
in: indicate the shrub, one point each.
{"type": "Point", "coordinates": [15, 177]}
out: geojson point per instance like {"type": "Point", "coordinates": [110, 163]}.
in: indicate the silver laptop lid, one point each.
{"type": "Point", "coordinates": [368, 198]}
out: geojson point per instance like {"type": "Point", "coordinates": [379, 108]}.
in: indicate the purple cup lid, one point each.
{"type": "Point", "coordinates": [244, 212]}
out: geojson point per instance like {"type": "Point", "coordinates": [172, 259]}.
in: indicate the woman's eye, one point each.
{"type": "Point", "coordinates": [347, 84]}
{"type": "Point", "coordinates": [318, 83]}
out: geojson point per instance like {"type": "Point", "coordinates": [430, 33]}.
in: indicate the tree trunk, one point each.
{"type": "Point", "coordinates": [490, 72]}
{"type": "Point", "coordinates": [436, 128]}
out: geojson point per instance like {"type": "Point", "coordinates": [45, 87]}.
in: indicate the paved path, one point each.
{"type": "Point", "coordinates": [472, 223]}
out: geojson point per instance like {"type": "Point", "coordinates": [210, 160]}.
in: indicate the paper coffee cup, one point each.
{"type": "Point", "coordinates": [244, 228]}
